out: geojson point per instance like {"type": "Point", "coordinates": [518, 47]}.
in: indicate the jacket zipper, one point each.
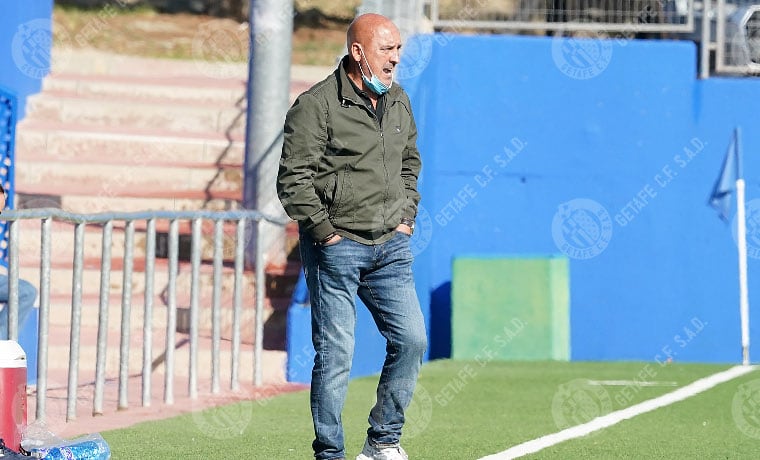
{"type": "Point", "coordinates": [379, 127]}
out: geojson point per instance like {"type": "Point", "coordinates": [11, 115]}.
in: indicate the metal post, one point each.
{"type": "Point", "coordinates": [76, 322]}
{"type": "Point", "coordinates": [741, 239]}
{"type": "Point", "coordinates": [237, 304]}
{"type": "Point", "coordinates": [150, 269]}
{"type": "Point", "coordinates": [171, 312]}
{"type": "Point", "coordinates": [195, 260]}
{"type": "Point", "coordinates": [720, 35]}
{"type": "Point", "coordinates": [105, 293]}
{"type": "Point", "coordinates": [258, 350]}
{"type": "Point", "coordinates": [126, 313]}
{"type": "Point", "coordinates": [44, 326]}
{"type": "Point", "coordinates": [271, 30]}
{"type": "Point", "coordinates": [705, 43]}
{"type": "Point", "coordinates": [13, 325]}
{"type": "Point", "coordinates": [216, 315]}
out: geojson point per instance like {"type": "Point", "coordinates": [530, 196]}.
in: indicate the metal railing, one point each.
{"type": "Point", "coordinates": [735, 36]}
{"type": "Point", "coordinates": [106, 222]}
{"type": "Point", "coordinates": [727, 31]}
{"type": "Point", "coordinates": [562, 16]}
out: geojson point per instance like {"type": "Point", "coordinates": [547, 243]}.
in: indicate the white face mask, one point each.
{"type": "Point", "coordinates": [374, 84]}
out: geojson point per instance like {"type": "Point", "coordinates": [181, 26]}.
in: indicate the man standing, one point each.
{"type": "Point", "coordinates": [348, 175]}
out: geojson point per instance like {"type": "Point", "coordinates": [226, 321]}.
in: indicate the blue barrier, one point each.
{"type": "Point", "coordinates": [604, 150]}
{"type": "Point", "coordinates": [8, 119]}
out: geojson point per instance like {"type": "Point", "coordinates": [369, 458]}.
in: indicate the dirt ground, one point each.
{"type": "Point", "coordinates": [318, 36]}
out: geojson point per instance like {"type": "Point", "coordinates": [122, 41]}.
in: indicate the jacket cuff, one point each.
{"type": "Point", "coordinates": [409, 214]}
{"type": "Point", "coordinates": [321, 230]}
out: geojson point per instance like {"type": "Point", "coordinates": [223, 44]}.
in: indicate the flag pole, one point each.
{"type": "Point", "coordinates": [741, 236]}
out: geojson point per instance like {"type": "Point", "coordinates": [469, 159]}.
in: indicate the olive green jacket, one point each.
{"type": "Point", "coordinates": [344, 171]}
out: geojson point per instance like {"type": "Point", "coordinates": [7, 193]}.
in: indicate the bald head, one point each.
{"type": "Point", "coordinates": [364, 28]}
{"type": "Point", "coordinates": [374, 46]}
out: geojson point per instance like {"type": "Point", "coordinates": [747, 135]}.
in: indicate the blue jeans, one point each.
{"type": "Point", "coordinates": [382, 277]}
{"type": "Point", "coordinates": [27, 294]}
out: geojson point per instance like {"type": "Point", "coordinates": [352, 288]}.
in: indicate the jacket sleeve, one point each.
{"type": "Point", "coordinates": [304, 141]}
{"type": "Point", "coordinates": [410, 170]}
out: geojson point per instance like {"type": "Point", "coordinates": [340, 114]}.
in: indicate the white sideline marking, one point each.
{"type": "Point", "coordinates": [632, 383]}
{"type": "Point", "coordinates": [613, 418]}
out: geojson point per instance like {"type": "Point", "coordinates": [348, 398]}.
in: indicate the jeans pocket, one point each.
{"type": "Point", "coordinates": [333, 244]}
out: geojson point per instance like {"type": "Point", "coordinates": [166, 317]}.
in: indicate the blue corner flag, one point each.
{"type": "Point", "coordinates": [720, 199]}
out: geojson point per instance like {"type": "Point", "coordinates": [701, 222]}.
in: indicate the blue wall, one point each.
{"type": "Point", "coordinates": [512, 128]}
{"type": "Point", "coordinates": [25, 43]}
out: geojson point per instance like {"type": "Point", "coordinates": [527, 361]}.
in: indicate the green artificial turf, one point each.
{"type": "Point", "coordinates": [721, 423]}
{"type": "Point", "coordinates": [466, 410]}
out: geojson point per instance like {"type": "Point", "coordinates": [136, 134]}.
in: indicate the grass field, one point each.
{"type": "Point", "coordinates": [465, 410]}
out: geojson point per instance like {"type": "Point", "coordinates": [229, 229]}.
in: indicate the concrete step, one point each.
{"type": "Point", "coordinates": [88, 198]}
{"type": "Point", "coordinates": [113, 179]}
{"type": "Point", "coordinates": [83, 146]}
{"type": "Point", "coordinates": [88, 358]}
{"type": "Point", "coordinates": [99, 117]}
{"type": "Point", "coordinates": [273, 365]}
{"type": "Point", "coordinates": [78, 201]}
{"type": "Point", "coordinates": [62, 240]}
{"type": "Point", "coordinates": [103, 64]}
{"type": "Point", "coordinates": [157, 114]}
{"type": "Point", "coordinates": [185, 90]}
{"type": "Point", "coordinates": [114, 418]}
{"type": "Point", "coordinates": [60, 320]}
{"type": "Point", "coordinates": [61, 276]}
{"type": "Point", "coordinates": [62, 250]}
{"type": "Point", "coordinates": [112, 189]}
{"type": "Point", "coordinates": [279, 281]}
{"type": "Point", "coordinates": [274, 317]}
{"type": "Point", "coordinates": [116, 134]}
{"type": "Point", "coordinates": [160, 134]}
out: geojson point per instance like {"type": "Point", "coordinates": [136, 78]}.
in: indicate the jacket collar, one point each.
{"type": "Point", "coordinates": [346, 91]}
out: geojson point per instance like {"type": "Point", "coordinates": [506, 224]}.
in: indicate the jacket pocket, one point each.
{"type": "Point", "coordinates": [338, 193]}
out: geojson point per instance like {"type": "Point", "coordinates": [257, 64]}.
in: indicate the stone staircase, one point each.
{"type": "Point", "coordinates": [117, 133]}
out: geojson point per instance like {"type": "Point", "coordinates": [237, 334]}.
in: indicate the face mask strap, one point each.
{"type": "Point", "coordinates": [361, 49]}
{"type": "Point", "coordinates": [377, 86]}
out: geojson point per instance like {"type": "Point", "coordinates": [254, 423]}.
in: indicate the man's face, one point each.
{"type": "Point", "coordinates": [382, 53]}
